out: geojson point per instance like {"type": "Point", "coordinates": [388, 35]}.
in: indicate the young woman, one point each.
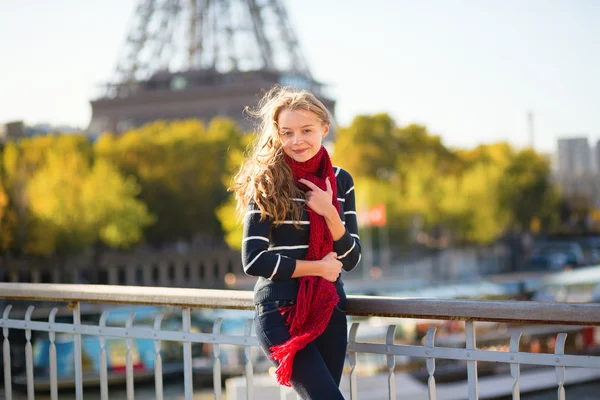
{"type": "Point", "coordinates": [300, 231]}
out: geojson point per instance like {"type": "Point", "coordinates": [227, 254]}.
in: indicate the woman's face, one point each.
{"type": "Point", "coordinates": [301, 133]}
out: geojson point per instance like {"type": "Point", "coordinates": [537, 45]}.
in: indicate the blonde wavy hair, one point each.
{"type": "Point", "coordinates": [264, 176]}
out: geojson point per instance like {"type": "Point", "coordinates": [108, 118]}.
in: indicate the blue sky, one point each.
{"type": "Point", "coordinates": [468, 70]}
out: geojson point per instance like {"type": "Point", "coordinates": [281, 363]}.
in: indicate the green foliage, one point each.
{"type": "Point", "coordinates": [180, 167]}
{"type": "Point", "coordinates": [226, 212]}
{"type": "Point", "coordinates": [75, 203]}
{"type": "Point", "coordinates": [61, 201]}
{"type": "Point", "coordinates": [527, 191]}
{"type": "Point", "coordinates": [167, 181]}
{"type": "Point", "coordinates": [475, 194]}
{"type": "Point", "coordinates": [231, 224]}
{"type": "Point", "coordinates": [6, 219]}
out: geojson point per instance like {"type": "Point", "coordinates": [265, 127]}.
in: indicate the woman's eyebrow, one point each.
{"type": "Point", "coordinates": [305, 126]}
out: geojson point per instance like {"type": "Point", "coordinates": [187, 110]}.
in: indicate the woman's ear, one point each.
{"type": "Point", "coordinates": [325, 130]}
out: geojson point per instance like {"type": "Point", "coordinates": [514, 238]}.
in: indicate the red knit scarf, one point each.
{"type": "Point", "coordinates": [317, 297]}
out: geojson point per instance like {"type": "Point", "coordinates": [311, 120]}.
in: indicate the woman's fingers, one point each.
{"type": "Point", "coordinates": [308, 183]}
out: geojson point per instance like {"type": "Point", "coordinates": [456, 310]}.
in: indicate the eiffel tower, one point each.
{"type": "Point", "coordinates": [201, 59]}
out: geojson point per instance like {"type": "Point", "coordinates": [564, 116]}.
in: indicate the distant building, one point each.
{"type": "Point", "coordinates": [577, 170]}
{"type": "Point", "coordinates": [597, 154]}
{"type": "Point", "coordinates": [574, 157]}
{"type": "Point", "coordinates": [202, 94]}
{"type": "Point", "coordinates": [12, 130]}
{"type": "Point", "coordinates": [16, 130]}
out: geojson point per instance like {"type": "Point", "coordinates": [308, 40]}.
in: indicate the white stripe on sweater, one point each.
{"type": "Point", "coordinates": [255, 258]}
{"type": "Point", "coordinates": [275, 269]}
{"type": "Point", "coordinates": [256, 237]}
{"type": "Point", "coordinates": [349, 190]}
{"type": "Point", "coordinates": [348, 252]}
{"type": "Point", "coordinates": [359, 257]}
{"type": "Point", "coordinates": [271, 248]}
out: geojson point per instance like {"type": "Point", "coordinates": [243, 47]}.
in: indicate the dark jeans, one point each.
{"type": "Point", "coordinates": [317, 368]}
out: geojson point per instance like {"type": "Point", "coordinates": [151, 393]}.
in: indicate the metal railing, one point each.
{"type": "Point", "coordinates": [461, 310]}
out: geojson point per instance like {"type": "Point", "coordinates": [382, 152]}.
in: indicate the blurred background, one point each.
{"type": "Point", "coordinates": [471, 130]}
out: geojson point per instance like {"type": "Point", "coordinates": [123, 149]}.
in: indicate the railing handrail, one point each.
{"type": "Point", "coordinates": [441, 309]}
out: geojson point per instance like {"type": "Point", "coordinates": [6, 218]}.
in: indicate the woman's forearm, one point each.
{"type": "Point", "coordinates": [307, 268]}
{"type": "Point", "coordinates": [335, 224]}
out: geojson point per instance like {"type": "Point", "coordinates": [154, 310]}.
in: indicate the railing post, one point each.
{"type": "Point", "coordinates": [103, 363]}
{"type": "Point", "coordinates": [6, 356]}
{"type": "Point", "coordinates": [158, 378]}
{"type": "Point", "coordinates": [471, 365]}
{"type": "Point", "coordinates": [515, 368]}
{"type": "Point", "coordinates": [52, 356]}
{"type": "Point", "coordinates": [29, 354]}
{"type": "Point", "coordinates": [430, 361]}
{"type": "Point", "coordinates": [248, 354]}
{"type": "Point", "coordinates": [352, 360]}
{"type": "Point", "coordinates": [559, 350]}
{"type": "Point", "coordinates": [129, 358]}
{"type": "Point", "coordinates": [77, 344]}
{"type": "Point", "coordinates": [187, 354]}
{"type": "Point", "coordinates": [217, 360]}
{"type": "Point", "coordinates": [391, 361]}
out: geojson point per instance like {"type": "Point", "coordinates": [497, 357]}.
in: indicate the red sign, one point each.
{"type": "Point", "coordinates": [377, 215]}
{"type": "Point", "coordinates": [374, 216]}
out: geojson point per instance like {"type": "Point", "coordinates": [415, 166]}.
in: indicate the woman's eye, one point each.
{"type": "Point", "coordinates": [307, 131]}
{"type": "Point", "coordinates": [286, 133]}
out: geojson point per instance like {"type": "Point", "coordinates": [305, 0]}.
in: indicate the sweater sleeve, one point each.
{"type": "Point", "coordinates": [257, 260]}
{"type": "Point", "coordinates": [348, 246]}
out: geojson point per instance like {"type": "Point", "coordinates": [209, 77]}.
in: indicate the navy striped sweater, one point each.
{"type": "Point", "coordinates": [270, 252]}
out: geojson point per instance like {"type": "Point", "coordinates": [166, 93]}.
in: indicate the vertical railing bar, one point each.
{"type": "Point", "coordinates": [187, 353]}
{"type": "Point", "coordinates": [559, 350]}
{"type": "Point", "coordinates": [29, 355]}
{"type": "Point", "coordinates": [6, 356]}
{"type": "Point", "coordinates": [352, 361]}
{"type": "Point", "coordinates": [471, 344]}
{"type": "Point", "coordinates": [391, 361]}
{"type": "Point", "coordinates": [430, 361]}
{"type": "Point", "coordinates": [52, 355]}
{"type": "Point", "coordinates": [77, 342]}
{"type": "Point", "coordinates": [515, 368]}
{"type": "Point", "coordinates": [129, 359]}
{"type": "Point", "coordinates": [158, 376]}
{"type": "Point", "coordinates": [248, 355]}
{"type": "Point", "coordinates": [217, 360]}
{"type": "Point", "coordinates": [103, 361]}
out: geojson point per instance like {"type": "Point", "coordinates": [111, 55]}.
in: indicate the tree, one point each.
{"type": "Point", "coordinates": [368, 147]}
{"type": "Point", "coordinates": [179, 166]}
{"type": "Point", "coordinates": [412, 171]}
{"type": "Point", "coordinates": [7, 220]}
{"type": "Point", "coordinates": [526, 190]}
{"type": "Point", "coordinates": [74, 204]}
{"type": "Point", "coordinates": [226, 212]}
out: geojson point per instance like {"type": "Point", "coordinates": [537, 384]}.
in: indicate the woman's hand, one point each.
{"type": "Point", "coordinates": [331, 267]}
{"type": "Point", "coordinates": [320, 201]}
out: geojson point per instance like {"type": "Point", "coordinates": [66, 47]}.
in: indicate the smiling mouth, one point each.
{"type": "Point", "coordinates": [299, 151]}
